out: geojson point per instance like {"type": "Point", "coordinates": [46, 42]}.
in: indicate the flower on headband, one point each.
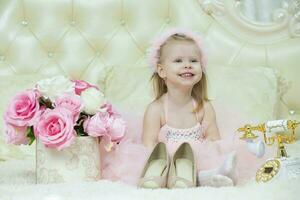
{"type": "Point", "coordinates": [154, 50]}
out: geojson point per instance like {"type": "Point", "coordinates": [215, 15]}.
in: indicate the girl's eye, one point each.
{"type": "Point", "coordinates": [178, 60]}
{"type": "Point", "coordinates": [194, 61]}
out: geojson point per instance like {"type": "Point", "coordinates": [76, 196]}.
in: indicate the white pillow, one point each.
{"type": "Point", "coordinates": [129, 87]}
{"type": "Point", "coordinates": [251, 92]}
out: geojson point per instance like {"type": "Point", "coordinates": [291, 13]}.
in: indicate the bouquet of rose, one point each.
{"type": "Point", "coordinates": [57, 110]}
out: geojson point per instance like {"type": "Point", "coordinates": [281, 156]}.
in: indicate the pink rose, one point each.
{"type": "Point", "coordinates": [111, 129]}
{"type": "Point", "coordinates": [96, 125]}
{"type": "Point", "coordinates": [16, 135]}
{"type": "Point", "coordinates": [81, 85]}
{"type": "Point", "coordinates": [117, 129]}
{"type": "Point", "coordinates": [72, 103]}
{"type": "Point", "coordinates": [109, 109]}
{"type": "Point", "coordinates": [23, 109]}
{"type": "Point", "coordinates": [55, 128]}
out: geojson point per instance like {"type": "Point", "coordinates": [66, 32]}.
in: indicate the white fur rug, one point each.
{"type": "Point", "coordinates": [17, 182]}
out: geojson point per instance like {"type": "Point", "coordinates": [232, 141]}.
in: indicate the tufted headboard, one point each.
{"type": "Point", "coordinates": [87, 39]}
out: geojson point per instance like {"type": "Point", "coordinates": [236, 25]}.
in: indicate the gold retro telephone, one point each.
{"type": "Point", "coordinates": [279, 131]}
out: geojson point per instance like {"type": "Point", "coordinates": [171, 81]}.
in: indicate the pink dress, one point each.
{"type": "Point", "coordinates": [207, 154]}
{"type": "Point", "coordinates": [127, 161]}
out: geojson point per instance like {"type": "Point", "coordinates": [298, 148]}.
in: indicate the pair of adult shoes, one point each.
{"type": "Point", "coordinates": [160, 171]}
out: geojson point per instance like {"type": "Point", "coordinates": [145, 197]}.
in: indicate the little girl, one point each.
{"type": "Point", "coordinates": [181, 111]}
{"type": "Point", "coordinates": [180, 114]}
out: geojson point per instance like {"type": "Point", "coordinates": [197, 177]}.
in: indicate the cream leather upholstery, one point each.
{"type": "Point", "coordinates": [82, 39]}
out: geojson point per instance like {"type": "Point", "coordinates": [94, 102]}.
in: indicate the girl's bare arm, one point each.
{"type": "Point", "coordinates": [151, 124]}
{"type": "Point", "coordinates": [212, 131]}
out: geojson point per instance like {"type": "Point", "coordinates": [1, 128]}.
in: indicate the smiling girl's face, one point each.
{"type": "Point", "coordinates": [180, 63]}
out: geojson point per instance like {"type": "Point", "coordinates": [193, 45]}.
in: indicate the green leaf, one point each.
{"type": "Point", "coordinates": [30, 134]}
{"type": "Point", "coordinates": [80, 131]}
{"type": "Point", "coordinates": [46, 102]}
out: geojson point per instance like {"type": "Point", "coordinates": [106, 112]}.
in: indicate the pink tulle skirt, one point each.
{"type": "Point", "coordinates": [127, 161]}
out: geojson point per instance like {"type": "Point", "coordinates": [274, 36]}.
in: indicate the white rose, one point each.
{"type": "Point", "coordinates": [54, 87]}
{"type": "Point", "coordinates": [92, 99]}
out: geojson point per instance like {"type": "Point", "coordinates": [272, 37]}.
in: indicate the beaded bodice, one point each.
{"type": "Point", "coordinates": [195, 133]}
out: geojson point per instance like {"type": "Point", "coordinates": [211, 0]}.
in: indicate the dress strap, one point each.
{"type": "Point", "coordinates": [165, 104]}
{"type": "Point", "coordinates": [203, 113]}
{"type": "Point", "coordinates": [196, 113]}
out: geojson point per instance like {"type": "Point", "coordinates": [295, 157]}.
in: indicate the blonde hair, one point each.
{"type": "Point", "coordinates": [199, 91]}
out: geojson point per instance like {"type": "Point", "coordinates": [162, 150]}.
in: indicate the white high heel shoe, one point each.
{"type": "Point", "coordinates": [182, 172]}
{"type": "Point", "coordinates": [156, 169]}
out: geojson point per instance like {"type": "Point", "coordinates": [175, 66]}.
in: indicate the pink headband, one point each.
{"type": "Point", "coordinates": [153, 52]}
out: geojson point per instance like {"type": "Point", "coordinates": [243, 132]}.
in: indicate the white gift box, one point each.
{"type": "Point", "coordinates": [76, 163]}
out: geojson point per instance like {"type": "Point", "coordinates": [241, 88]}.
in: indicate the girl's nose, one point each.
{"type": "Point", "coordinates": [188, 66]}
